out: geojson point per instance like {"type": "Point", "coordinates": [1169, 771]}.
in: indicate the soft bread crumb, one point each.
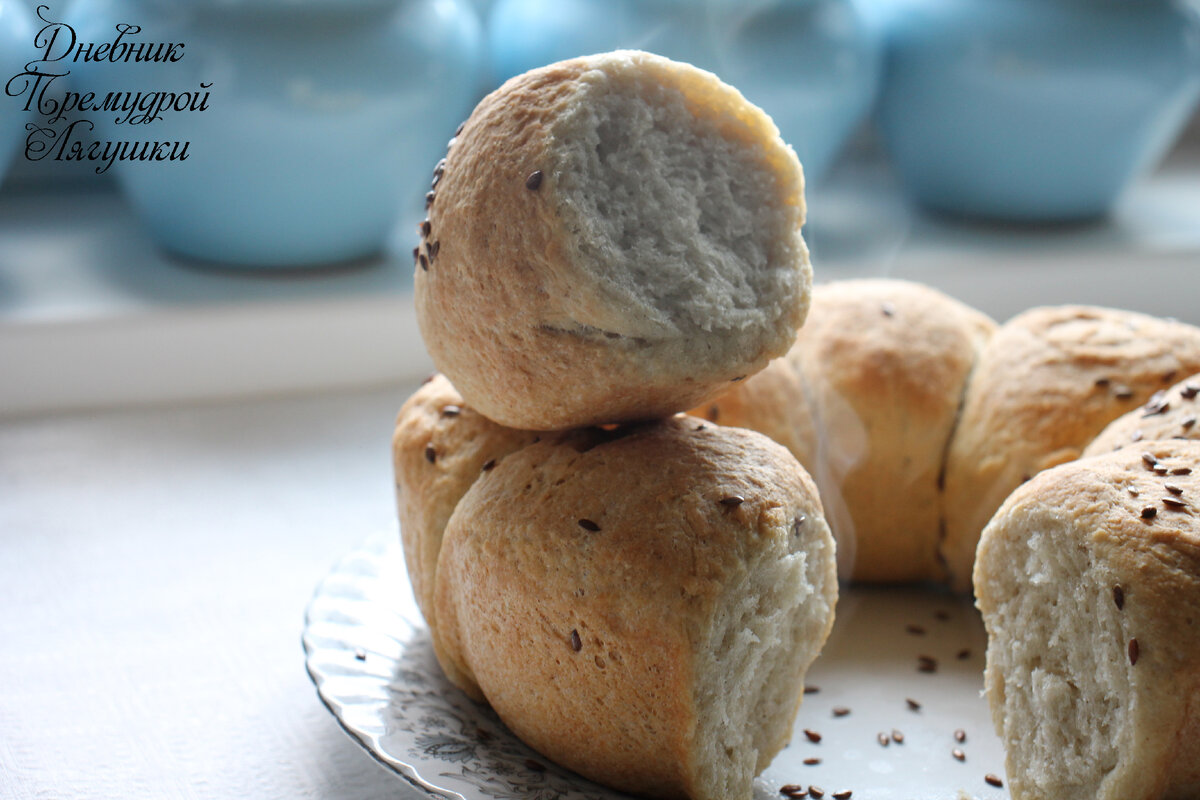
{"type": "Point", "coordinates": [1051, 665]}
{"type": "Point", "coordinates": [680, 224]}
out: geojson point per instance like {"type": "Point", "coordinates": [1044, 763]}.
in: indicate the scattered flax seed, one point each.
{"type": "Point", "coordinates": [811, 762]}
{"type": "Point", "coordinates": [1133, 652]}
{"type": "Point", "coordinates": [1169, 376]}
{"type": "Point", "coordinates": [576, 642]}
{"type": "Point", "coordinates": [888, 309]}
{"type": "Point", "coordinates": [960, 736]}
{"type": "Point", "coordinates": [816, 791]}
{"type": "Point", "coordinates": [1150, 460]}
{"type": "Point", "coordinates": [842, 795]}
{"type": "Point", "coordinates": [1156, 407]}
{"type": "Point", "coordinates": [963, 654]}
{"type": "Point", "coordinates": [958, 754]}
{"type": "Point", "coordinates": [915, 630]}
{"type": "Point", "coordinates": [536, 766]}
{"type": "Point", "coordinates": [451, 411]}
{"type": "Point", "coordinates": [1160, 470]}
{"type": "Point", "coordinates": [416, 253]}
{"type": "Point", "coordinates": [840, 711]}
{"type": "Point", "coordinates": [1137, 435]}
{"type": "Point", "coordinates": [1173, 504]}
{"type": "Point", "coordinates": [1133, 492]}
{"type": "Point", "coordinates": [1119, 597]}
{"type": "Point", "coordinates": [926, 664]}
{"type": "Point", "coordinates": [913, 705]}
{"type": "Point", "coordinates": [1190, 390]}
{"type": "Point", "coordinates": [699, 427]}
{"type": "Point", "coordinates": [994, 781]}
{"type": "Point", "coordinates": [812, 736]}
{"type": "Point", "coordinates": [897, 736]}
{"type": "Point", "coordinates": [1149, 512]}
{"type": "Point", "coordinates": [426, 227]}
{"type": "Point", "coordinates": [1102, 382]}
{"type": "Point", "coordinates": [460, 127]}
{"type": "Point", "coordinates": [439, 167]}
{"type": "Point", "coordinates": [433, 248]}
{"type": "Point", "coordinates": [429, 198]}
{"type": "Point", "coordinates": [811, 689]}
{"type": "Point", "coordinates": [534, 181]}
{"type": "Point", "coordinates": [733, 501]}
{"type": "Point", "coordinates": [798, 523]}
{"type": "Point", "coordinates": [487, 465]}
{"type": "Point", "coordinates": [360, 654]}
{"type": "Point", "coordinates": [883, 740]}
{"type": "Point", "coordinates": [738, 378]}
{"type": "Point", "coordinates": [1173, 489]}
{"type": "Point", "coordinates": [588, 525]}
{"type": "Point", "coordinates": [423, 261]}
{"type": "Point", "coordinates": [430, 453]}
{"type": "Point", "coordinates": [793, 790]}
{"type": "Point", "coordinates": [1182, 471]}
{"type": "Point", "coordinates": [1189, 422]}
{"type": "Point", "coordinates": [1122, 392]}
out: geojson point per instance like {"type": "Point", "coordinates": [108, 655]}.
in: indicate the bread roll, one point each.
{"type": "Point", "coordinates": [1088, 578]}
{"type": "Point", "coordinates": [867, 400]}
{"type": "Point", "coordinates": [611, 238]}
{"type": "Point", "coordinates": [773, 402]}
{"type": "Point", "coordinates": [439, 448]}
{"type": "Point", "coordinates": [1170, 414]}
{"type": "Point", "coordinates": [640, 605]}
{"type": "Point", "coordinates": [1048, 383]}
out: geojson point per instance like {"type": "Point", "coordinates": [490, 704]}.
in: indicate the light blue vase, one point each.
{"type": "Point", "coordinates": [813, 65]}
{"type": "Point", "coordinates": [1034, 110]}
{"type": "Point", "coordinates": [322, 124]}
{"type": "Point", "coordinates": [16, 49]}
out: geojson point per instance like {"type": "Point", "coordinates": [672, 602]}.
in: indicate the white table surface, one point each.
{"type": "Point", "coordinates": [154, 570]}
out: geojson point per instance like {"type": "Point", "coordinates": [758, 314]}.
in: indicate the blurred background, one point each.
{"type": "Point", "coordinates": [1010, 152]}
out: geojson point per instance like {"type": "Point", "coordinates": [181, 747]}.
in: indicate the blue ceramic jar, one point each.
{"type": "Point", "coordinates": [813, 65]}
{"type": "Point", "coordinates": [1034, 110]}
{"type": "Point", "coordinates": [310, 125]}
{"type": "Point", "coordinates": [16, 49]}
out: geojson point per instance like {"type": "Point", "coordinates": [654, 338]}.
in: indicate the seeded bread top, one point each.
{"type": "Point", "coordinates": [1048, 383]}
{"type": "Point", "coordinates": [1168, 414]}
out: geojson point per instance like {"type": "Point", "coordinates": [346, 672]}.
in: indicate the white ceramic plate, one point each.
{"type": "Point", "coordinates": [369, 654]}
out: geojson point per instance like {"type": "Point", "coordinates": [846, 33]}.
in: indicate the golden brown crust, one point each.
{"type": "Point", "coordinates": [1048, 382]}
{"type": "Point", "coordinates": [867, 400]}
{"type": "Point", "coordinates": [1170, 414]}
{"type": "Point", "coordinates": [1155, 558]}
{"type": "Point", "coordinates": [500, 306]}
{"type": "Point", "coordinates": [440, 446]}
{"type": "Point", "coordinates": [774, 403]}
{"type": "Point", "coordinates": [577, 581]}
{"type": "Point", "coordinates": [887, 363]}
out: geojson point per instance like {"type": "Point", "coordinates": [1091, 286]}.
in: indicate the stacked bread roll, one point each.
{"type": "Point", "coordinates": [638, 594]}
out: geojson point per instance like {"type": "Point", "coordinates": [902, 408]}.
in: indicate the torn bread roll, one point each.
{"type": "Point", "coordinates": [1047, 383]}
{"type": "Point", "coordinates": [1088, 578]}
{"type": "Point", "coordinates": [867, 400]}
{"type": "Point", "coordinates": [1169, 414]}
{"type": "Point", "coordinates": [611, 238]}
{"type": "Point", "coordinates": [641, 604]}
